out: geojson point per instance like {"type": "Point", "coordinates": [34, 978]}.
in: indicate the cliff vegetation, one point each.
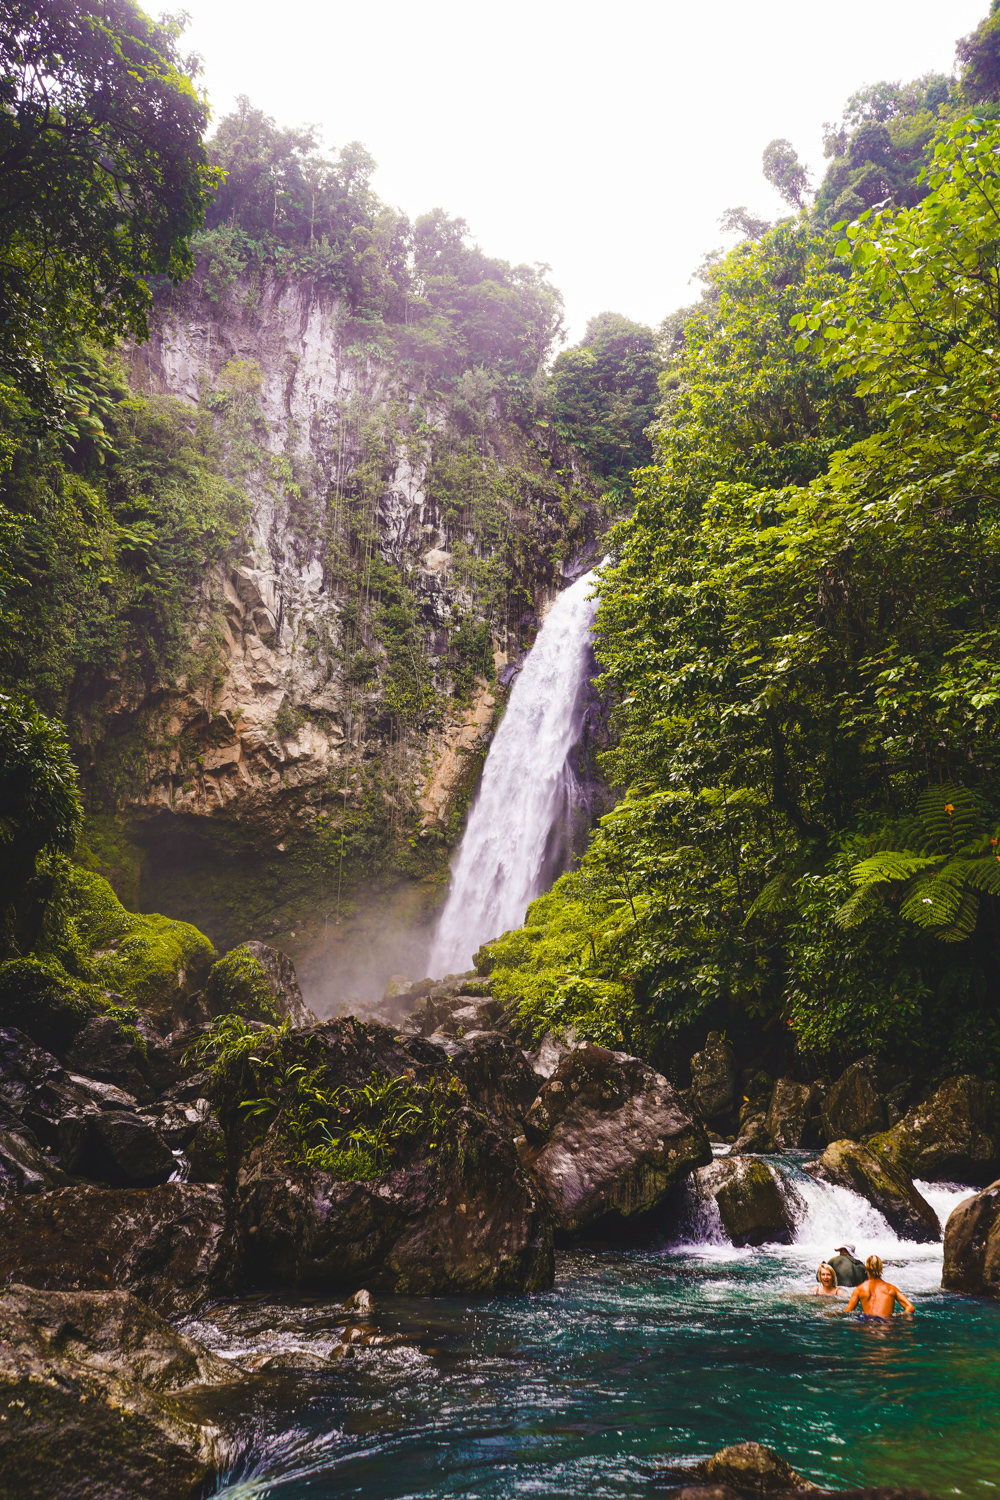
{"type": "Point", "coordinates": [799, 629]}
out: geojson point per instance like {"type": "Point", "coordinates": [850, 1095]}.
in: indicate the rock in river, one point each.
{"type": "Point", "coordinates": [173, 1246]}
{"type": "Point", "coordinates": [92, 1399]}
{"type": "Point", "coordinates": [752, 1469]}
{"type": "Point", "coordinates": [972, 1244]}
{"type": "Point", "coordinates": [953, 1136]}
{"type": "Point", "coordinates": [854, 1107]}
{"type": "Point", "coordinates": [752, 1203]}
{"type": "Point", "coordinates": [887, 1187]}
{"type": "Point", "coordinates": [713, 1078]}
{"type": "Point", "coordinates": [793, 1115]}
{"type": "Point", "coordinates": [607, 1138]}
{"type": "Point", "coordinates": [452, 1211]}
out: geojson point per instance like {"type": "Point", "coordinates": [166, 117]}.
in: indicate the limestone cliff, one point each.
{"type": "Point", "coordinates": [346, 666]}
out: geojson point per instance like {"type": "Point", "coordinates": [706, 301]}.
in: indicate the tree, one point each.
{"type": "Point", "coordinates": [785, 172]}
{"type": "Point", "coordinates": [741, 221]}
{"type": "Point", "coordinates": [40, 806]}
{"type": "Point", "coordinates": [879, 148]}
{"type": "Point", "coordinates": [979, 57]}
{"type": "Point", "coordinates": [103, 175]}
{"type": "Point", "coordinates": [604, 394]}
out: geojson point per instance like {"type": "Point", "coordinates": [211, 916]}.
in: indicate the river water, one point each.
{"type": "Point", "coordinates": [635, 1360]}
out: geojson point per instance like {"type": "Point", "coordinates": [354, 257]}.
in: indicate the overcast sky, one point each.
{"type": "Point", "coordinates": [605, 140]}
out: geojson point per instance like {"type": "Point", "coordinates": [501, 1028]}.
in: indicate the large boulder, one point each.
{"type": "Point", "coordinates": [754, 1138]}
{"type": "Point", "coordinates": [24, 1167]}
{"type": "Point", "coordinates": [448, 1209]}
{"type": "Point", "coordinates": [792, 1119]}
{"type": "Point", "coordinates": [953, 1136]}
{"type": "Point", "coordinates": [95, 1399]}
{"type": "Point", "coordinates": [284, 983]}
{"type": "Point", "coordinates": [501, 1082]}
{"type": "Point", "coordinates": [754, 1206]}
{"type": "Point", "coordinates": [134, 1059]}
{"type": "Point", "coordinates": [174, 1246]}
{"type": "Point", "coordinates": [606, 1139]}
{"type": "Point", "coordinates": [466, 1220]}
{"type": "Point", "coordinates": [713, 1078]}
{"type": "Point", "coordinates": [854, 1107]}
{"type": "Point", "coordinates": [883, 1182]}
{"type": "Point", "coordinates": [972, 1245]}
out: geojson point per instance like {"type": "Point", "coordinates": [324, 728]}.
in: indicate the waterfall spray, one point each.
{"type": "Point", "coordinates": [515, 835]}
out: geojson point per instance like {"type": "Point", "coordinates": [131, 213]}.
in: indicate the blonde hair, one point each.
{"type": "Point", "coordinates": [825, 1265]}
{"type": "Point", "coordinates": [874, 1267]}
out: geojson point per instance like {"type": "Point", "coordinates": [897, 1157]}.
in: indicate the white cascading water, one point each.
{"type": "Point", "coordinates": [526, 794]}
{"type": "Point", "coordinates": [826, 1216]}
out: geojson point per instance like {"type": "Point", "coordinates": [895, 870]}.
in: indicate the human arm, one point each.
{"type": "Point", "coordinates": [853, 1300]}
{"type": "Point", "coordinates": [904, 1301]}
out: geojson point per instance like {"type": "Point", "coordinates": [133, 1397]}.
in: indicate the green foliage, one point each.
{"type": "Point", "coordinates": [38, 997]}
{"type": "Point", "coordinates": [353, 1134]}
{"type": "Point", "coordinates": [944, 859]}
{"type": "Point", "coordinates": [979, 56]}
{"type": "Point", "coordinates": [39, 802]}
{"type": "Point", "coordinates": [146, 960]}
{"type": "Point", "coordinates": [800, 632]}
{"type": "Point", "coordinates": [560, 969]}
{"type": "Point", "coordinates": [879, 149]}
{"type": "Point", "coordinates": [238, 985]}
{"type": "Point", "coordinates": [604, 395]}
{"type": "Point", "coordinates": [103, 175]}
{"type": "Point", "coordinates": [114, 533]}
{"type": "Point", "coordinates": [785, 172]}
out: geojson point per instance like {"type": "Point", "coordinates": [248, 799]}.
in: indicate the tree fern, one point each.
{"type": "Point", "coordinates": [942, 857]}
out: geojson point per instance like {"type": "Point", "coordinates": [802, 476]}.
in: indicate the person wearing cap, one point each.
{"type": "Point", "coordinates": [848, 1270]}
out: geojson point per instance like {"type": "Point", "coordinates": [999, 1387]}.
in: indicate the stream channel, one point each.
{"type": "Point", "coordinates": [636, 1359]}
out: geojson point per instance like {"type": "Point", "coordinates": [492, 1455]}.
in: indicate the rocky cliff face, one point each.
{"type": "Point", "coordinates": [346, 667]}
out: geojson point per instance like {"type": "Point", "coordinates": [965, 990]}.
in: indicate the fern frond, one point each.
{"type": "Point", "coordinates": [949, 814]}
{"type": "Point", "coordinates": [965, 920]}
{"type": "Point", "coordinates": [858, 906]}
{"type": "Point", "coordinates": [891, 864]}
{"type": "Point", "coordinates": [777, 895]}
{"type": "Point", "coordinates": [935, 899]}
{"type": "Point", "coordinates": [984, 874]}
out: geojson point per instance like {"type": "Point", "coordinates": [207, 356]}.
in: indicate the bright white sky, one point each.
{"type": "Point", "coordinates": [605, 140]}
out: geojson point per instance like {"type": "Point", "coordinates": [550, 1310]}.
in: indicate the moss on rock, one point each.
{"type": "Point", "coordinates": [38, 997]}
{"type": "Point", "coordinates": [239, 985]}
{"type": "Point", "coordinates": [95, 958]}
{"type": "Point", "coordinates": [150, 961]}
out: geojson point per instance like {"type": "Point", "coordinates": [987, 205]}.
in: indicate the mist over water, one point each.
{"type": "Point", "coordinates": [516, 840]}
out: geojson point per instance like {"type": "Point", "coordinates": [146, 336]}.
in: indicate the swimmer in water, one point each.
{"type": "Point", "coordinates": [827, 1278]}
{"type": "Point", "coordinates": [878, 1297]}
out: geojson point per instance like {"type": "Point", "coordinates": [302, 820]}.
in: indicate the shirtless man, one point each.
{"type": "Point", "coordinates": [878, 1298]}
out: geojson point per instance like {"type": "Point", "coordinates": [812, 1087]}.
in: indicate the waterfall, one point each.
{"type": "Point", "coordinates": [825, 1216]}
{"type": "Point", "coordinates": [515, 841]}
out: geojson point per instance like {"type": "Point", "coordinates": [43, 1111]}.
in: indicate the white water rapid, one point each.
{"type": "Point", "coordinates": [515, 834]}
{"type": "Point", "coordinates": [825, 1216]}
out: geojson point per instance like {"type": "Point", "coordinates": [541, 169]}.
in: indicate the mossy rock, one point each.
{"type": "Point", "coordinates": [38, 997]}
{"type": "Point", "coordinates": [150, 961]}
{"type": "Point", "coordinates": [239, 985]}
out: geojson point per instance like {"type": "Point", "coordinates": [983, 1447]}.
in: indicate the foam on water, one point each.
{"type": "Point", "coordinates": [826, 1216]}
